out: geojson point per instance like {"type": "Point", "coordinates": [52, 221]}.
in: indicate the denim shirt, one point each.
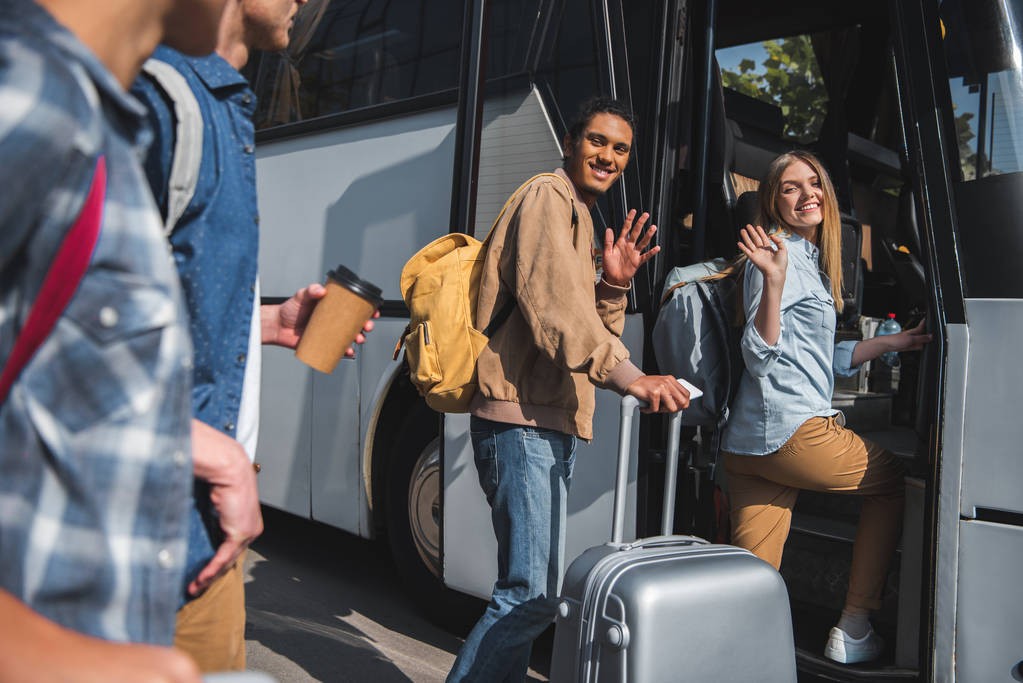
{"type": "Point", "coordinates": [215, 246]}
{"type": "Point", "coordinates": [216, 240]}
{"type": "Point", "coordinates": [787, 383]}
{"type": "Point", "coordinates": [95, 434]}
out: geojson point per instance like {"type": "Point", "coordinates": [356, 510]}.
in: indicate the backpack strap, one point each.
{"type": "Point", "coordinates": [523, 186]}
{"type": "Point", "coordinates": [188, 138]}
{"type": "Point", "coordinates": [510, 305]}
{"type": "Point", "coordinates": [61, 280]}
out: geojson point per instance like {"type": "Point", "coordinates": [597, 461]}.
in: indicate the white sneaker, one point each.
{"type": "Point", "coordinates": [845, 649]}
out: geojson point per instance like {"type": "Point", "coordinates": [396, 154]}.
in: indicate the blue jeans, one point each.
{"type": "Point", "coordinates": [525, 474]}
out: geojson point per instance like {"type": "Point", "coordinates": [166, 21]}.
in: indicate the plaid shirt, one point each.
{"type": "Point", "coordinates": [94, 436]}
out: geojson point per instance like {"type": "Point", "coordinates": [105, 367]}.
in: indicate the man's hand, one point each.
{"type": "Point", "coordinates": [283, 324]}
{"type": "Point", "coordinates": [221, 461]}
{"type": "Point", "coordinates": [624, 256]}
{"type": "Point", "coordinates": [662, 393]}
{"type": "Point", "coordinates": [33, 648]}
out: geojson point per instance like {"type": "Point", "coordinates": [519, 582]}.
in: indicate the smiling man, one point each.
{"type": "Point", "coordinates": [537, 374]}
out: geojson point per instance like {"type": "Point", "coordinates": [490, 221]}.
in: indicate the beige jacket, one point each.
{"type": "Point", "coordinates": [542, 363]}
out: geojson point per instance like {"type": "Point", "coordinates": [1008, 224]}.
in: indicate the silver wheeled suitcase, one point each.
{"type": "Point", "coordinates": [670, 608]}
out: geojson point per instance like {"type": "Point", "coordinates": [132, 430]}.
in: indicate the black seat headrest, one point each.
{"type": "Point", "coordinates": [746, 209]}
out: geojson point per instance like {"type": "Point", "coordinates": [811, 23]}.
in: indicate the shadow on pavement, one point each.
{"type": "Point", "coordinates": [331, 604]}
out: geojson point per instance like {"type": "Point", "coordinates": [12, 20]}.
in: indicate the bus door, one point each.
{"type": "Point", "coordinates": [976, 611]}
{"type": "Point", "coordinates": [829, 77]}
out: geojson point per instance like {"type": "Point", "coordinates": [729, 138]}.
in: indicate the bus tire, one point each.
{"type": "Point", "coordinates": [413, 524]}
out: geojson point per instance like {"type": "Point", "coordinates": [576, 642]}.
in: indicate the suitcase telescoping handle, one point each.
{"type": "Point", "coordinates": [629, 406]}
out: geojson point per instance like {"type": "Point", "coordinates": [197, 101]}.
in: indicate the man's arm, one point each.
{"type": "Point", "coordinates": [551, 276]}
{"type": "Point", "coordinates": [33, 648]}
{"type": "Point", "coordinates": [222, 462]}
{"type": "Point", "coordinates": [555, 292]}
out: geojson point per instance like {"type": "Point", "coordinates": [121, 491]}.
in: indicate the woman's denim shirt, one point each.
{"type": "Point", "coordinates": [787, 383]}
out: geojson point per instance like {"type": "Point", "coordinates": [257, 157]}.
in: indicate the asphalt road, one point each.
{"type": "Point", "coordinates": [325, 606]}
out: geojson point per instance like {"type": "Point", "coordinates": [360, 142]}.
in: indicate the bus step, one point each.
{"type": "Point", "coordinates": [830, 529]}
{"type": "Point", "coordinates": [864, 410]}
{"type": "Point", "coordinates": [902, 441]}
{"type": "Point", "coordinates": [822, 527]}
{"type": "Point", "coordinates": [818, 665]}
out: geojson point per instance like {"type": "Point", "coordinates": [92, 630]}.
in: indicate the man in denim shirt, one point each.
{"type": "Point", "coordinates": [215, 246]}
{"type": "Point", "coordinates": [95, 429]}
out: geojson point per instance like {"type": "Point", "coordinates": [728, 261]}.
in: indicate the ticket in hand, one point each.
{"type": "Point", "coordinates": [694, 392]}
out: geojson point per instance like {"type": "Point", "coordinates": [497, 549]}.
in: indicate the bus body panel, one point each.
{"type": "Point", "coordinates": [368, 197]}
{"type": "Point", "coordinates": [361, 197]}
{"type": "Point", "coordinates": [285, 432]}
{"type": "Point", "coordinates": [993, 477]}
{"type": "Point", "coordinates": [472, 567]}
{"type": "Point", "coordinates": [990, 611]}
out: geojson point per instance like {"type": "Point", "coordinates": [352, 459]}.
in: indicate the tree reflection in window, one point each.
{"type": "Point", "coordinates": [783, 73]}
{"type": "Point", "coordinates": [350, 54]}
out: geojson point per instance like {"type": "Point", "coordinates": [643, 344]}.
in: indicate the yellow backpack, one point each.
{"type": "Point", "coordinates": [441, 286]}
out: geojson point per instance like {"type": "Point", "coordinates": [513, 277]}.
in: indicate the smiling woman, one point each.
{"type": "Point", "coordinates": [800, 200]}
{"type": "Point", "coordinates": [784, 434]}
{"type": "Point", "coordinates": [797, 195]}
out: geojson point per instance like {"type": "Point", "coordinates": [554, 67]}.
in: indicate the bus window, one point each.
{"type": "Point", "coordinates": [986, 83]}
{"type": "Point", "coordinates": [784, 74]}
{"type": "Point", "coordinates": [350, 54]}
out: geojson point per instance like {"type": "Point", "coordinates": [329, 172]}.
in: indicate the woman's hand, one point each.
{"type": "Point", "coordinates": [771, 258]}
{"type": "Point", "coordinates": [767, 252]}
{"type": "Point", "coordinates": [908, 340]}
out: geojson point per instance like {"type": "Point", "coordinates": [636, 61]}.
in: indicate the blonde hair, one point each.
{"type": "Point", "coordinates": [829, 232]}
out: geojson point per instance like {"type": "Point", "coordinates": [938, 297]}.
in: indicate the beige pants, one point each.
{"type": "Point", "coordinates": [821, 456]}
{"type": "Point", "coordinates": [211, 628]}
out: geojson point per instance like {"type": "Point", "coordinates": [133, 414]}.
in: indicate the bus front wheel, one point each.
{"type": "Point", "coordinates": [414, 516]}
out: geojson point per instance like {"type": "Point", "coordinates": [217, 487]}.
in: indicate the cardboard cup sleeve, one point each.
{"type": "Point", "coordinates": [337, 319]}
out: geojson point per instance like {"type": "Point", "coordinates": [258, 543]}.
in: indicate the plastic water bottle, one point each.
{"type": "Point", "coordinates": [889, 326]}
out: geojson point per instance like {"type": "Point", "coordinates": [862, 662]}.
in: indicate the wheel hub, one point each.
{"type": "Point", "coordinates": [424, 507]}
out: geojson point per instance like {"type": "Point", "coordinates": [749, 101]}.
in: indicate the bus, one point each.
{"type": "Point", "coordinates": [387, 124]}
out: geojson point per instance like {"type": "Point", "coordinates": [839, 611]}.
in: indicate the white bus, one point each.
{"type": "Point", "coordinates": [388, 123]}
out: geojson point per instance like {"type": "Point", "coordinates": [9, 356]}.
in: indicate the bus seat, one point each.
{"type": "Point", "coordinates": [745, 211]}
{"type": "Point", "coordinates": [906, 226]}
{"type": "Point", "coordinates": [852, 270]}
{"type": "Point", "coordinates": [902, 249]}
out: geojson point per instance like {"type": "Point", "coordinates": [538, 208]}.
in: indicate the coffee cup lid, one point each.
{"type": "Point", "coordinates": [367, 290]}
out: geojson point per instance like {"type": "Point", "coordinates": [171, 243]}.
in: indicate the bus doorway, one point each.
{"type": "Point", "coordinates": [897, 99]}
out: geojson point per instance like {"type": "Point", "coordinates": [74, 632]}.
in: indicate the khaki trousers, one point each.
{"type": "Point", "coordinates": [211, 628]}
{"type": "Point", "coordinates": [821, 456]}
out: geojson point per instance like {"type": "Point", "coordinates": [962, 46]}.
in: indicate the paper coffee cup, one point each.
{"type": "Point", "coordinates": [337, 319]}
